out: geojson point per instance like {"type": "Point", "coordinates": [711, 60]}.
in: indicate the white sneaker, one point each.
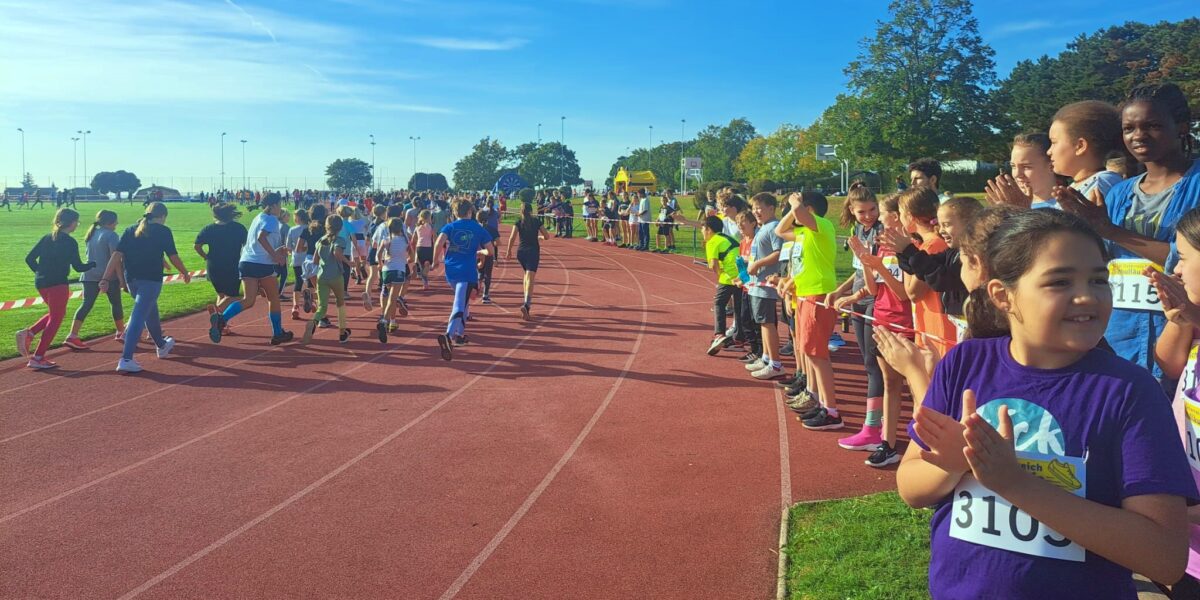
{"type": "Point", "coordinates": [755, 365]}
{"type": "Point", "coordinates": [128, 366]}
{"type": "Point", "coordinates": [768, 372]}
{"type": "Point", "coordinates": [23, 338]}
{"type": "Point", "coordinates": [165, 349]}
{"type": "Point", "coordinates": [366, 296]}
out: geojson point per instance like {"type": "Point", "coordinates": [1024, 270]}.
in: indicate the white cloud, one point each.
{"type": "Point", "coordinates": [481, 43]}
{"type": "Point", "coordinates": [1015, 27]}
{"type": "Point", "coordinates": [170, 51]}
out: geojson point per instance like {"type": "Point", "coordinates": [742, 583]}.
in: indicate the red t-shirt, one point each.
{"type": "Point", "coordinates": [890, 308]}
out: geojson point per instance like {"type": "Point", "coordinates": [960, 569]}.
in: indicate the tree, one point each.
{"type": "Point", "coordinates": [1102, 66]}
{"type": "Point", "coordinates": [27, 181]}
{"type": "Point", "coordinates": [479, 169]}
{"type": "Point", "coordinates": [435, 182]}
{"type": "Point", "coordinates": [549, 165]}
{"type": "Point", "coordinates": [922, 81]}
{"type": "Point", "coordinates": [786, 156]}
{"type": "Point", "coordinates": [115, 182]}
{"type": "Point", "coordinates": [348, 174]}
{"type": "Point", "coordinates": [718, 147]}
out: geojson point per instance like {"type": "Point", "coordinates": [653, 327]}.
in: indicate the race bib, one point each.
{"type": "Point", "coordinates": [981, 516]}
{"type": "Point", "coordinates": [1131, 289]}
{"type": "Point", "coordinates": [893, 266]}
{"type": "Point", "coordinates": [960, 327]}
{"type": "Point", "coordinates": [785, 252]}
{"type": "Point", "coordinates": [662, 215]}
{"type": "Point", "coordinates": [1189, 420]}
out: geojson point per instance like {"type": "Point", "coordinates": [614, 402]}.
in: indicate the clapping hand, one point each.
{"type": "Point", "coordinates": [903, 354]}
{"type": "Point", "coordinates": [1175, 303]}
{"type": "Point", "coordinates": [944, 436]}
{"type": "Point", "coordinates": [1093, 210]}
{"type": "Point", "coordinates": [990, 452]}
{"type": "Point", "coordinates": [894, 239]}
{"type": "Point", "coordinates": [1004, 190]}
{"type": "Point", "coordinates": [864, 255]}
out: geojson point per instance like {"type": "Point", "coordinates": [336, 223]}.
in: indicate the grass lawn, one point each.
{"type": "Point", "coordinates": [23, 228]}
{"type": "Point", "coordinates": [869, 547]}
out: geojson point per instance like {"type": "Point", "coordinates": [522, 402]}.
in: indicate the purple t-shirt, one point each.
{"type": "Point", "coordinates": [1101, 428]}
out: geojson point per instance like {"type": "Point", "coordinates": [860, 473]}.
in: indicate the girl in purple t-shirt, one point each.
{"type": "Point", "coordinates": [1175, 353]}
{"type": "Point", "coordinates": [1052, 466]}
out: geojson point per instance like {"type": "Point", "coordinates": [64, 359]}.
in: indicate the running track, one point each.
{"type": "Point", "coordinates": [596, 452]}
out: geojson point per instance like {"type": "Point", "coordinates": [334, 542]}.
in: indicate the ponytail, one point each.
{"type": "Point", "coordinates": [104, 218]}
{"type": "Point", "coordinates": [63, 219]}
{"type": "Point", "coordinates": [156, 210]}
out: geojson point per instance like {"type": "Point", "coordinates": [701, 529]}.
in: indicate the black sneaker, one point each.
{"type": "Point", "coordinates": [796, 379]}
{"type": "Point", "coordinates": [882, 457]}
{"type": "Point", "coordinates": [282, 338]}
{"type": "Point", "coordinates": [447, 349]}
{"type": "Point", "coordinates": [787, 350]}
{"type": "Point", "coordinates": [748, 357]}
{"type": "Point", "coordinates": [823, 421]}
{"type": "Point", "coordinates": [325, 324]}
{"type": "Point", "coordinates": [382, 328]}
{"type": "Point", "coordinates": [308, 301]}
{"type": "Point", "coordinates": [344, 336]}
{"type": "Point", "coordinates": [462, 340]}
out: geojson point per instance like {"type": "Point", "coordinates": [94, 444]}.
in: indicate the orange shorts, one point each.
{"type": "Point", "coordinates": [814, 325]}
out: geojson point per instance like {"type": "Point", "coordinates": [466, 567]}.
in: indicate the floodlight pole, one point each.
{"type": "Point", "coordinates": [223, 134]}
{"type": "Point", "coordinates": [682, 156]}
{"type": "Point", "coordinates": [74, 163]}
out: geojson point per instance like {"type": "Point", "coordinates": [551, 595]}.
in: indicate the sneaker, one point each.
{"type": "Point", "coordinates": [756, 364]}
{"type": "Point", "coordinates": [797, 379]}
{"type": "Point", "coordinates": [282, 338]}
{"type": "Point", "coordinates": [164, 350]}
{"type": "Point", "coordinates": [75, 343]}
{"type": "Point", "coordinates": [24, 338]}
{"type": "Point", "coordinates": [308, 301]}
{"type": "Point", "coordinates": [344, 336]}
{"type": "Point", "coordinates": [296, 316]}
{"type": "Point", "coordinates": [748, 357]}
{"type": "Point", "coordinates": [462, 340]}
{"type": "Point", "coordinates": [216, 325]}
{"type": "Point", "coordinates": [787, 349]}
{"type": "Point", "coordinates": [444, 345]}
{"type": "Point", "coordinates": [119, 336]}
{"type": "Point", "coordinates": [382, 328]}
{"type": "Point", "coordinates": [768, 372]}
{"type": "Point", "coordinates": [309, 330]}
{"type": "Point", "coordinates": [40, 364]}
{"type": "Point", "coordinates": [882, 457]}
{"type": "Point", "coordinates": [393, 327]}
{"type": "Point", "coordinates": [525, 312]}
{"type": "Point", "coordinates": [799, 386]}
{"type": "Point", "coordinates": [836, 342]}
{"type": "Point", "coordinates": [366, 298]}
{"type": "Point", "coordinates": [486, 300]}
{"type": "Point", "coordinates": [868, 438]}
{"type": "Point", "coordinates": [823, 421]}
{"type": "Point", "coordinates": [718, 342]}
{"type": "Point", "coordinates": [812, 412]}
{"type": "Point", "coordinates": [128, 365]}
{"type": "Point", "coordinates": [325, 324]}
{"type": "Point", "coordinates": [401, 307]}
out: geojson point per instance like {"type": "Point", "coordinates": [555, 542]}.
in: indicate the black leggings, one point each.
{"type": "Point", "coordinates": [863, 333]}
{"type": "Point", "coordinates": [747, 328]}
{"type": "Point", "coordinates": [485, 274]}
{"type": "Point", "coordinates": [91, 289]}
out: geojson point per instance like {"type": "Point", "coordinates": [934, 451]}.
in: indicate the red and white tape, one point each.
{"type": "Point", "coordinates": [28, 302]}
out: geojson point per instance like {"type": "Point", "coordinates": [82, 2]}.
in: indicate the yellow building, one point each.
{"type": "Point", "coordinates": [637, 180]}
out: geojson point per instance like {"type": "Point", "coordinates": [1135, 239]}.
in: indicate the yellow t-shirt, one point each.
{"type": "Point", "coordinates": [813, 269]}
{"type": "Point", "coordinates": [714, 248]}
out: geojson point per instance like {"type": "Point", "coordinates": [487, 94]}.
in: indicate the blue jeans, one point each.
{"type": "Point", "coordinates": [144, 314]}
{"type": "Point", "coordinates": [644, 234]}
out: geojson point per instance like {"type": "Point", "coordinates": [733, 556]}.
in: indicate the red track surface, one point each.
{"type": "Point", "coordinates": [594, 453]}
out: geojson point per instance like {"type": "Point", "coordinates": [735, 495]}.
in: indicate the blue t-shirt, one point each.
{"type": "Point", "coordinates": [253, 252]}
{"type": "Point", "coordinates": [465, 237]}
{"type": "Point", "coordinates": [1101, 428]}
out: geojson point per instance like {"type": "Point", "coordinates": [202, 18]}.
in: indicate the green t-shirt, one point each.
{"type": "Point", "coordinates": [330, 268]}
{"type": "Point", "coordinates": [813, 269]}
{"type": "Point", "coordinates": [714, 248]}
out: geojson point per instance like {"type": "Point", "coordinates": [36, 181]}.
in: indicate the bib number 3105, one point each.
{"type": "Point", "coordinates": [981, 516]}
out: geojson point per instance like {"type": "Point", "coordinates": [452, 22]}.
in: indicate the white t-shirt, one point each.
{"type": "Point", "coordinates": [293, 236]}
{"type": "Point", "coordinates": [397, 249]}
{"type": "Point", "coordinates": [253, 251]}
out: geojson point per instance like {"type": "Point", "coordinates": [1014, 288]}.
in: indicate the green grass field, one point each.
{"type": "Point", "coordinates": [23, 228]}
{"type": "Point", "coordinates": [873, 547]}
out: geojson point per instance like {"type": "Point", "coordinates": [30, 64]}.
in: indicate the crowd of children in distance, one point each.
{"type": "Point", "coordinates": [1037, 335]}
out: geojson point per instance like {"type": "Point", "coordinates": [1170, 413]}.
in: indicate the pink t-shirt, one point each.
{"type": "Point", "coordinates": [889, 308]}
{"type": "Point", "coordinates": [1187, 415]}
{"type": "Point", "coordinates": [424, 236]}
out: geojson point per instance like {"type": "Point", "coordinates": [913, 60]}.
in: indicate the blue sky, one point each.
{"type": "Point", "coordinates": [157, 81]}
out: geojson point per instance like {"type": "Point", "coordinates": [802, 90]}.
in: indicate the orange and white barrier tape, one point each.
{"type": "Point", "coordinates": [28, 302]}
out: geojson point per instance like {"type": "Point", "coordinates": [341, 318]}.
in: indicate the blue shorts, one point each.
{"type": "Point", "coordinates": [251, 270]}
{"type": "Point", "coordinates": [392, 277]}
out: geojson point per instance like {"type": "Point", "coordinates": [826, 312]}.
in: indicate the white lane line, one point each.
{"type": "Point", "coordinates": [516, 517]}
{"type": "Point", "coordinates": [785, 495]}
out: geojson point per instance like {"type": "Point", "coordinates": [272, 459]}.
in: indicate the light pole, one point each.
{"type": "Point", "coordinates": [539, 134]}
{"type": "Point", "coordinates": [22, 156]}
{"type": "Point", "coordinates": [414, 141]}
{"type": "Point", "coordinates": [85, 171]}
{"type": "Point", "coordinates": [562, 146]}
{"type": "Point", "coordinates": [74, 163]}
{"type": "Point", "coordinates": [682, 155]}
{"type": "Point", "coordinates": [243, 164]}
{"type": "Point", "coordinates": [651, 146]}
{"type": "Point", "coordinates": [372, 158]}
{"type": "Point", "coordinates": [223, 134]}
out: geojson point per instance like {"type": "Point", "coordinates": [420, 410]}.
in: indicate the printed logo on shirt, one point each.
{"type": "Point", "coordinates": [981, 516]}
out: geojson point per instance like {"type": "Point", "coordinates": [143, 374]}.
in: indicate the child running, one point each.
{"type": "Point", "coordinates": [424, 237]}
{"type": "Point", "coordinates": [140, 255]}
{"type": "Point", "coordinates": [297, 260]}
{"type": "Point", "coordinates": [259, 257]}
{"type": "Point", "coordinates": [51, 260]}
{"type": "Point", "coordinates": [457, 244]}
{"type": "Point", "coordinates": [530, 230]}
{"type": "Point", "coordinates": [331, 263]}
{"type": "Point", "coordinates": [1053, 467]}
{"type": "Point", "coordinates": [395, 255]}
{"type": "Point", "coordinates": [224, 239]}
{"type": "Point", "coordinates": [101, 240]}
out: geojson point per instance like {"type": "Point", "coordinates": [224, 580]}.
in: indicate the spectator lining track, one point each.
{"type": "Point", "coordinates": [595, 452]}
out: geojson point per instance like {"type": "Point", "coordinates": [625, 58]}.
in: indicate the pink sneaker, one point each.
{"type": "Point", "coordinates": [75, 343]}
{"type": "Point", "coordinates": [868, 438]}
{"type": "Point", "coordinates": [40, 363]}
